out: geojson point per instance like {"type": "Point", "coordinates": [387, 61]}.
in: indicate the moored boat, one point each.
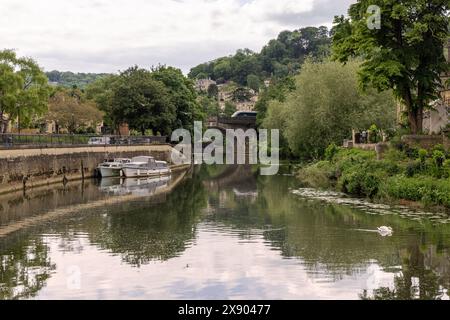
{"type": "Point", "coordinates": [112, 168]}
{"type": "Point", "coordinates": [145, 166]}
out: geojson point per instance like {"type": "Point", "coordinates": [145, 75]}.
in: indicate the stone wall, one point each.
{"type": "Point", "coordinates": [37, 167]}
{"type": "Point", "coordinates": [425, 141]}
{"type": "Point", "coordinates": [447, 140]}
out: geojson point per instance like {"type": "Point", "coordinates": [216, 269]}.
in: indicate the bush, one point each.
{"type": "Point", "coordinates": [438, 158]}
{"type": "Point", "coordinates": [394, 154]}
{"type": "Point", "coordinates": [446, 164]}
{"type": "Point", "coordinates": [422, 155]}
{"type": "Point", "coordinates": [331, 151]}
{"type": "Point", "coordinates": [413, 168]}
{"type": "Point", "coordinates": [373, 130]}
{"type": "Point", "coordinates": [360, 182]}
{"type": "Point", "coordinates": [318, 175]}
{"type": "Point", "coordinates": [357, 172]}
{"type": "Point", "coordinates": [438, 147]}
{"type": "Point", "coordinates": [446, 169]}
{"type": "Point", "coordinates": [425, 189]}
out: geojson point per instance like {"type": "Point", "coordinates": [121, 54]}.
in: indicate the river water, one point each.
{"type": "Point", "coordinates": [216, 232]}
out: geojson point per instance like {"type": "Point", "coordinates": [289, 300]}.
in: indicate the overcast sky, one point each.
{"type": "Point", "coordinates": [111, 35]}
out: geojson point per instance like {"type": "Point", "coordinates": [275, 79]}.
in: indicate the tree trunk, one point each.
{"type": "Point", "coordinates": [415, 118]}
{"type": "Point", "coordinates": [3, 125]}
{"type": "Point", "coordinates": [415, 112]}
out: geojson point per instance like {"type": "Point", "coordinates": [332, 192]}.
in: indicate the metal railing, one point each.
{"type": "Point", "coordinates": [12, 140]}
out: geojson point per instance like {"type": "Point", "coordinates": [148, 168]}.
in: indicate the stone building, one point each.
{"type": "Point", "coordinates": [226, 94]}
{"type": "Point", "coordinates": [202, 85]}
{"type": "Point", "coordinates": [438, 117]}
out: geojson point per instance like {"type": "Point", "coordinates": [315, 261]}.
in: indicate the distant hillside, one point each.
{"type": "Point", "coordinates": [279, 58]}
{"type": "Point", "coordinates": [70, 79]}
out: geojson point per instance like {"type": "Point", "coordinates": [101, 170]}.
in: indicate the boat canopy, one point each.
{"type": "Point", "coordinates": [145, 159]}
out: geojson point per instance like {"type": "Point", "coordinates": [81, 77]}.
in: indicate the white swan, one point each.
{"type": "Point", "coordinates": [385, 231]}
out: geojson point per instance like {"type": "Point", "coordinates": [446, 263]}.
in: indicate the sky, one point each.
{"type": "Point", "coordinates": [111, 35]}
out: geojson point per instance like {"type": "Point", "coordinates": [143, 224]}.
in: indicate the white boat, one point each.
{"type": "Point", "coordinates": [112, 168]}
{"type": "Point", "coordinates": [136, 186]}
{"type": "Point", "coordinates": [145, 167]}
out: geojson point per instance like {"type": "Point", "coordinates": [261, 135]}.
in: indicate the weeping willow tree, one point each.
{"type": "Point", "coordinates": [325, 106]}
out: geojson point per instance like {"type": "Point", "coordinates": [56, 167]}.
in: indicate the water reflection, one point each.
{"type": "Point", "coordinates": [25, 266]}
{"type": "Point", "coordinates": [135, 186]}
{"type": "Point", "coordinates": [223, 232]}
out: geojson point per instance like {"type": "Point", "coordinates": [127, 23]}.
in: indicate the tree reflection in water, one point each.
{"type": "Point", "coordinates": [323, 238]}
{"type": "Point", "coordinates": [326, 237]}
{"type": "Point", "coordinates": [145, 232]}
{"type": "Point", "coordinates": [24, 269]}
{"type": "Point", "coordinates": [424, 276]}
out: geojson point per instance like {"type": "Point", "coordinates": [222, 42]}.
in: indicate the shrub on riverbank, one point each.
{"type": "Point", "coordinates": [428, 190]}
{"type": "Point", "coordinates": [416, 176]}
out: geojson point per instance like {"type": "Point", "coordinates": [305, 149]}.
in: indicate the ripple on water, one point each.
{"type": "Point", "coordinates": [340, 198]}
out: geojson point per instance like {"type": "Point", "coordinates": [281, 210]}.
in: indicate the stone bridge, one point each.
{"type": "Point", "coordinates": [224, 123]}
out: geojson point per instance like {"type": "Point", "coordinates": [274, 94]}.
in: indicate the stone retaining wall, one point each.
{"type": "Point", "coordinates": [426, 141]}
{"type": "Point", "coordinates": [26, 168]}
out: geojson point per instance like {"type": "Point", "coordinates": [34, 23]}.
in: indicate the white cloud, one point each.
{"type": "Point", "coordinates": [108, 35]}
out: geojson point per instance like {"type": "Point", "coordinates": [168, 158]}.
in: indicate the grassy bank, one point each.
{"type": "Point", "coordinates": [404, 174]}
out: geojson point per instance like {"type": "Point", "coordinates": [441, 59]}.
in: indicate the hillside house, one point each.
{"type": "Point", "coordinates": [226, 94]}
{"type": "Point", "coordinates": [202, 85]}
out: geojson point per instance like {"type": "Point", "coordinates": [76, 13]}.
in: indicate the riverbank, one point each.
{"type": "Point", "coordinates": [80, 196]}
{"type": "Point", "coordinates": [409, 176]}
{"type": "Point", "coordinates": [28, 168]}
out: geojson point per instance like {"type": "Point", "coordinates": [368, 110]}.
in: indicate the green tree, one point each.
{"type": "Point", "coordinates": [182, 95]}
{"type": "Point", "coordinates": [222, 69]}
{"type": "Point", "coordinates": [24, 90]}
{"type": "Point", "coordinates": [325, 106]}
{"type": "Point", "coordinates": [143, 102]}
{"type": "Point", "coordinates": [72, 112]}
{"type": "Point", "coordinates": [101, 92]}
{"type": "Point", "coordinates": [213, 91]}
{"type": "Point", "coordinates": [253, 82]}
{"type": "Point", "coordinates": [241, 94]}
{"type": "Point", "coordinates": [279, 58]}
{"type": "Point", "coordinates": [277, 90]}
{"type": "Point", "coordinates": [209, 106]}
{"type": "Point", "coordinates": [405, 53]}
{"type": "Point", "coordinates": [69, 79]}
{"type": "Point", "coordinates": [229, 109]}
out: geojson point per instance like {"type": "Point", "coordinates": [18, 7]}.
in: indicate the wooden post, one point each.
{"type": "Point", "coordinates": [82, 170]}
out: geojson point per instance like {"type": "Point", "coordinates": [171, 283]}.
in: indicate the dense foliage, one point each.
{"type": "Point", "coordinates": [404, 53]}
{"type": "Point", "coordinates": [276, 91]}
{"type": "Point", "coordinates": [70, 110]}
{"type": "Point", "coordinates": [70, 79]}
{"type": "Point", "coordinates": [279, 58]}
{"type": "Point", "coordinates": [325, 106]}
{"type": "Point", "coordinates": [24, 90]}
{"type": "Point", "coordinates": [158, 100]}
{"type": "Point", "coordinates": [404, 173]}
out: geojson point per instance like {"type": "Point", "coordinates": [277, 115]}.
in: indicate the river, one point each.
{"type": "Point", "coordinates": [215, 232]}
